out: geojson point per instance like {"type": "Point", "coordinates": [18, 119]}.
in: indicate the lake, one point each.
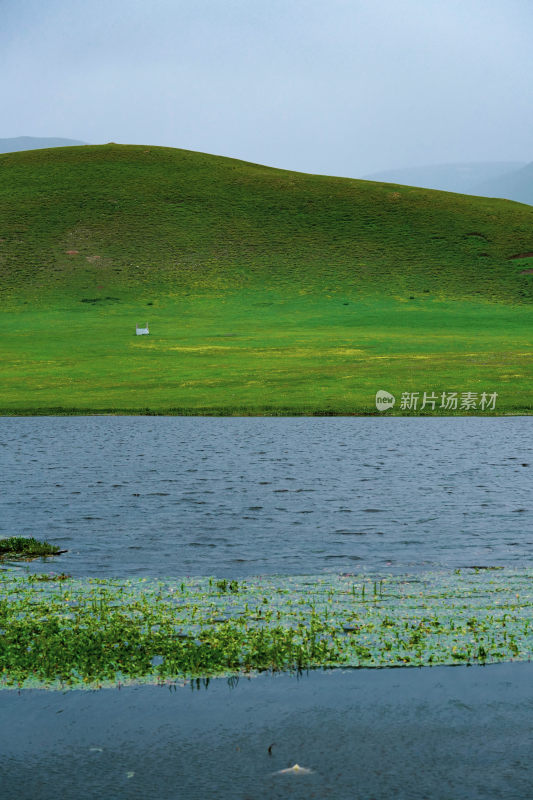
{"type": "Point", "coordinates": [152, 496]}
{"type": "Point", "coordinates": [236, 497]}
{"type": "Point", "coordinates": [439, 733]}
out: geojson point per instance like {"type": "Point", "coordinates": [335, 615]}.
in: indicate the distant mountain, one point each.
{"type": "Point", "coordinates": [517, 185]}
{"type": "Point", "coordinates": [463, 178]}
{"type": "Point", "coordinates": [34, 143]}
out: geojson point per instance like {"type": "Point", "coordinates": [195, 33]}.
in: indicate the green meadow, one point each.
{"type": "Point", "coordinates": [266, 291]}
{"type": "Point", "coordinates": [244, 354]}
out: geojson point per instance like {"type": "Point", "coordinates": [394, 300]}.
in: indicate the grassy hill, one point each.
{"type": "Point", "coordinates": [266, 291]}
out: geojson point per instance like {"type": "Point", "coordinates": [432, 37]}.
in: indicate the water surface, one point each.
{"type": "Point", "coordinates": [236, 497]}
{"type": "Point", "coordinates": [441, 733]}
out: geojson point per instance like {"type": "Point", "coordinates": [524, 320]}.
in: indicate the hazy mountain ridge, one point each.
{"type": "Point", "coordinates": [464, 177]}
{"type": "Point", "coordinates": [517, 185]}
{"type": "Point", "coordinates": [18, 143]}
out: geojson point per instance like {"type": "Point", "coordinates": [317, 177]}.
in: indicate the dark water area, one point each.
{"type": "Point", "coordinates": [441, 733]}
{"type": "Point", "coordinates": [246, 496]}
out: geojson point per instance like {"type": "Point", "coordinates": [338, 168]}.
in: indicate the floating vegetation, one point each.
{"type": "Point", "coordinates": [227, 586]}
{"type": "Point", "coordinates": [20, 547]}
{"type": "Point", "coordinates": [44, 576]}
{"type": "Point", "coordinates": [64, 631]}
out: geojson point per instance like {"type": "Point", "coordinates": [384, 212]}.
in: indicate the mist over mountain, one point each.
{"type": "Point", "coordinates": [35, 143]}
{"type": "Point", "coordinates": [517, 185]}
{"type": "Point", "coordinates": [463, 178]}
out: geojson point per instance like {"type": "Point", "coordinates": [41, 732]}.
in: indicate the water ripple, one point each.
{"type": "Point", "coordinates": [160, 496]}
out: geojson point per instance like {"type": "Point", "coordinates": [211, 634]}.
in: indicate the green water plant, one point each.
{"type": "Point", "coordinates": [74, 632]}
{"type": "Point", "coordinates": [20, 547]}
{"type": "Point", "coordinates": [44, 576]}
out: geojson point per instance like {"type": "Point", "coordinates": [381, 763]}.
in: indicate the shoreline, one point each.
{"type": "Point", "coordinates": [245, 414]}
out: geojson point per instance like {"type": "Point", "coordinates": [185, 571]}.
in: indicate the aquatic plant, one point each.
{"type": "Point", "coordinates": [90, 632]}
{"type": "Point", "coordinates": [227, 586]}
{"type": "Point", "coordinates": [16, 547]}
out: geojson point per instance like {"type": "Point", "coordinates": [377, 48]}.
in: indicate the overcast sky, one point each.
{"type": "Point", "coordinates": [342, 87]}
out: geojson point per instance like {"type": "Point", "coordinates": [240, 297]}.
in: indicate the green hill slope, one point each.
{"type": "Point", "coordinates": [138, 215]}
{"type": "Point", "coordinates": [266, 290]}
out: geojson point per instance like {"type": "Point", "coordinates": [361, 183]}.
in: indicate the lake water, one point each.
{"type": "Point", "coordinates": [240, 497]}
{"type": "Point", "coordinates": [440, 733]}
{"type": "Point", "coordinates": [244, 496]}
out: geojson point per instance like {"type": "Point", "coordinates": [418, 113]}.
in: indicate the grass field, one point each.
{"type": "Point", "coordinates": [266, 291]}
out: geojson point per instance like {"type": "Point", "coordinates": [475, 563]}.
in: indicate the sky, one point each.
{"type": "Point", "coordinates": [340, 87]}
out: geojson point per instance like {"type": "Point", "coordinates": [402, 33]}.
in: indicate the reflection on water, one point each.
{"type": "Point", "coordinates": [236, 497]}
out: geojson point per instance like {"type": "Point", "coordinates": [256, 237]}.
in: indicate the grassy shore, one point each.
{"type": "Point", "coordinates": [266, 291]}
{"type": "Point", "coordinates": [63, 632]}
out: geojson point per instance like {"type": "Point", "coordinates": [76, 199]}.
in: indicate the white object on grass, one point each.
{"type": "Point", "coordinates": [140, 331]}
